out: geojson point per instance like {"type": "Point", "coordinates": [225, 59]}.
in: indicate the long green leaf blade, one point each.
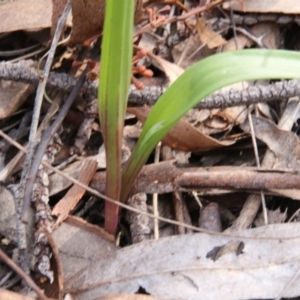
{"type": "Point", "coordinates": [198, 82]}
{"type": "Point", "coordinates": [114, 83]}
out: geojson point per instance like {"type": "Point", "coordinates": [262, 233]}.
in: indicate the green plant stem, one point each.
{"type": "Point", "coordinates": [114, 83]}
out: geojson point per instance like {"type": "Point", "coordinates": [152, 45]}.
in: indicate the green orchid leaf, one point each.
{"type": "Point", "coordinates": [114, 80]}
{"type": "Point", "coordinates": [199, 81]}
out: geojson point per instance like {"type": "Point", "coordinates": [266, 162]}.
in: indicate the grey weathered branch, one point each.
{"type": "Point", "coordinates": [252, 19]}
{"type": "Point", "coordinates": [149, 95]}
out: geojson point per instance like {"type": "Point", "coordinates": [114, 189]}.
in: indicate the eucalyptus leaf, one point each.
{"type": "Point", "coordinates": [259, 264]}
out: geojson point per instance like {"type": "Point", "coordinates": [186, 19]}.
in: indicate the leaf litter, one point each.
{"type": "Point", "coordinates": [182, 267]}
{"type": "Point", "coordinates": [243, 263]}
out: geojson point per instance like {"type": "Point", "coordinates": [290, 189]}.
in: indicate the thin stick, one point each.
{"type": "Point", "coordinates": [44, 143]}
{"type": "Point", "coordinates": [276, 91]}
{"type": "Point", "coordinates": [22, 274]}
{"type": "Point", "coordinates": [97, 194]}
{"type": "Point", "coordinates": [155, 197]}
{"type": "Point", "coordinates": [39, 96]}
{"type": "Point", "coordinates": [262, 195]}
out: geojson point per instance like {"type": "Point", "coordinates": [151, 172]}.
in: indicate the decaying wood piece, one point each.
{"type": "Point", "coordinates": [43, 220]}
{"type": "Point", "coordinates": [139, 224]}
{"type": "Point", "coordinates": [210, 218]}
{"type": "Point", "coordinates": [54, 289]}
{"type": "Point", "coordinates": [181, 213]}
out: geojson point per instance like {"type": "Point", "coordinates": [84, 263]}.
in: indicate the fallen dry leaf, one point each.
{"type": "Point", "coordinates": [257, 268]}
{"type": "Point", "coordinates": [265, 6]}
{"type": "Point", "coordinates": [25, 15]}
{"type": "Point", "coordinates": [190, 51]}
{"type": "Point", "coordinates": [237, 43]}
{"type": "Point", "coordinates": [269, 32]}
{"type": "Point", "coordinates": [8, 295]}
{"type": "Point", "coordinates": [80, 243]}
{"type": "Point", "coordinates": [7, 212]}
{"type": "Point", "coordinates": [88, 17]}
{"type": "Point", "coordinates": [284, 144]}
{"type": "Point", "coordinates": [235, 114]}
{"type": "Point", "coordinates": [274, 217]}
{"type": "Point", "coordinates": [127, 297]}
{"type": "Point", "coordinates": [264, 110]}
{"type": "Point", "coordinates": [183, 136]}
{"type": "Point", "coordinates": [58, 183]}
{"type": "Point", "coordinates": [13, 95]}
{"type": "Point", "coordinates": [208, 36]}
{"type": "Point", "coordinates": [172, 71]}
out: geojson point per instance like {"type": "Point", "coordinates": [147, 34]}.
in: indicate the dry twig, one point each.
{"type": "Point", "coordinates": [22, 274]}
{"type": "Point", "coordinates": [277, 91]}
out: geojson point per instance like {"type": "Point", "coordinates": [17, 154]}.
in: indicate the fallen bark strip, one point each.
{"type": "Point", "coordinates": [166, 177]}
{"type": "Point", "coordinates": [75, 193]}
{"type": "Point", "coordinates": [149, 95]}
